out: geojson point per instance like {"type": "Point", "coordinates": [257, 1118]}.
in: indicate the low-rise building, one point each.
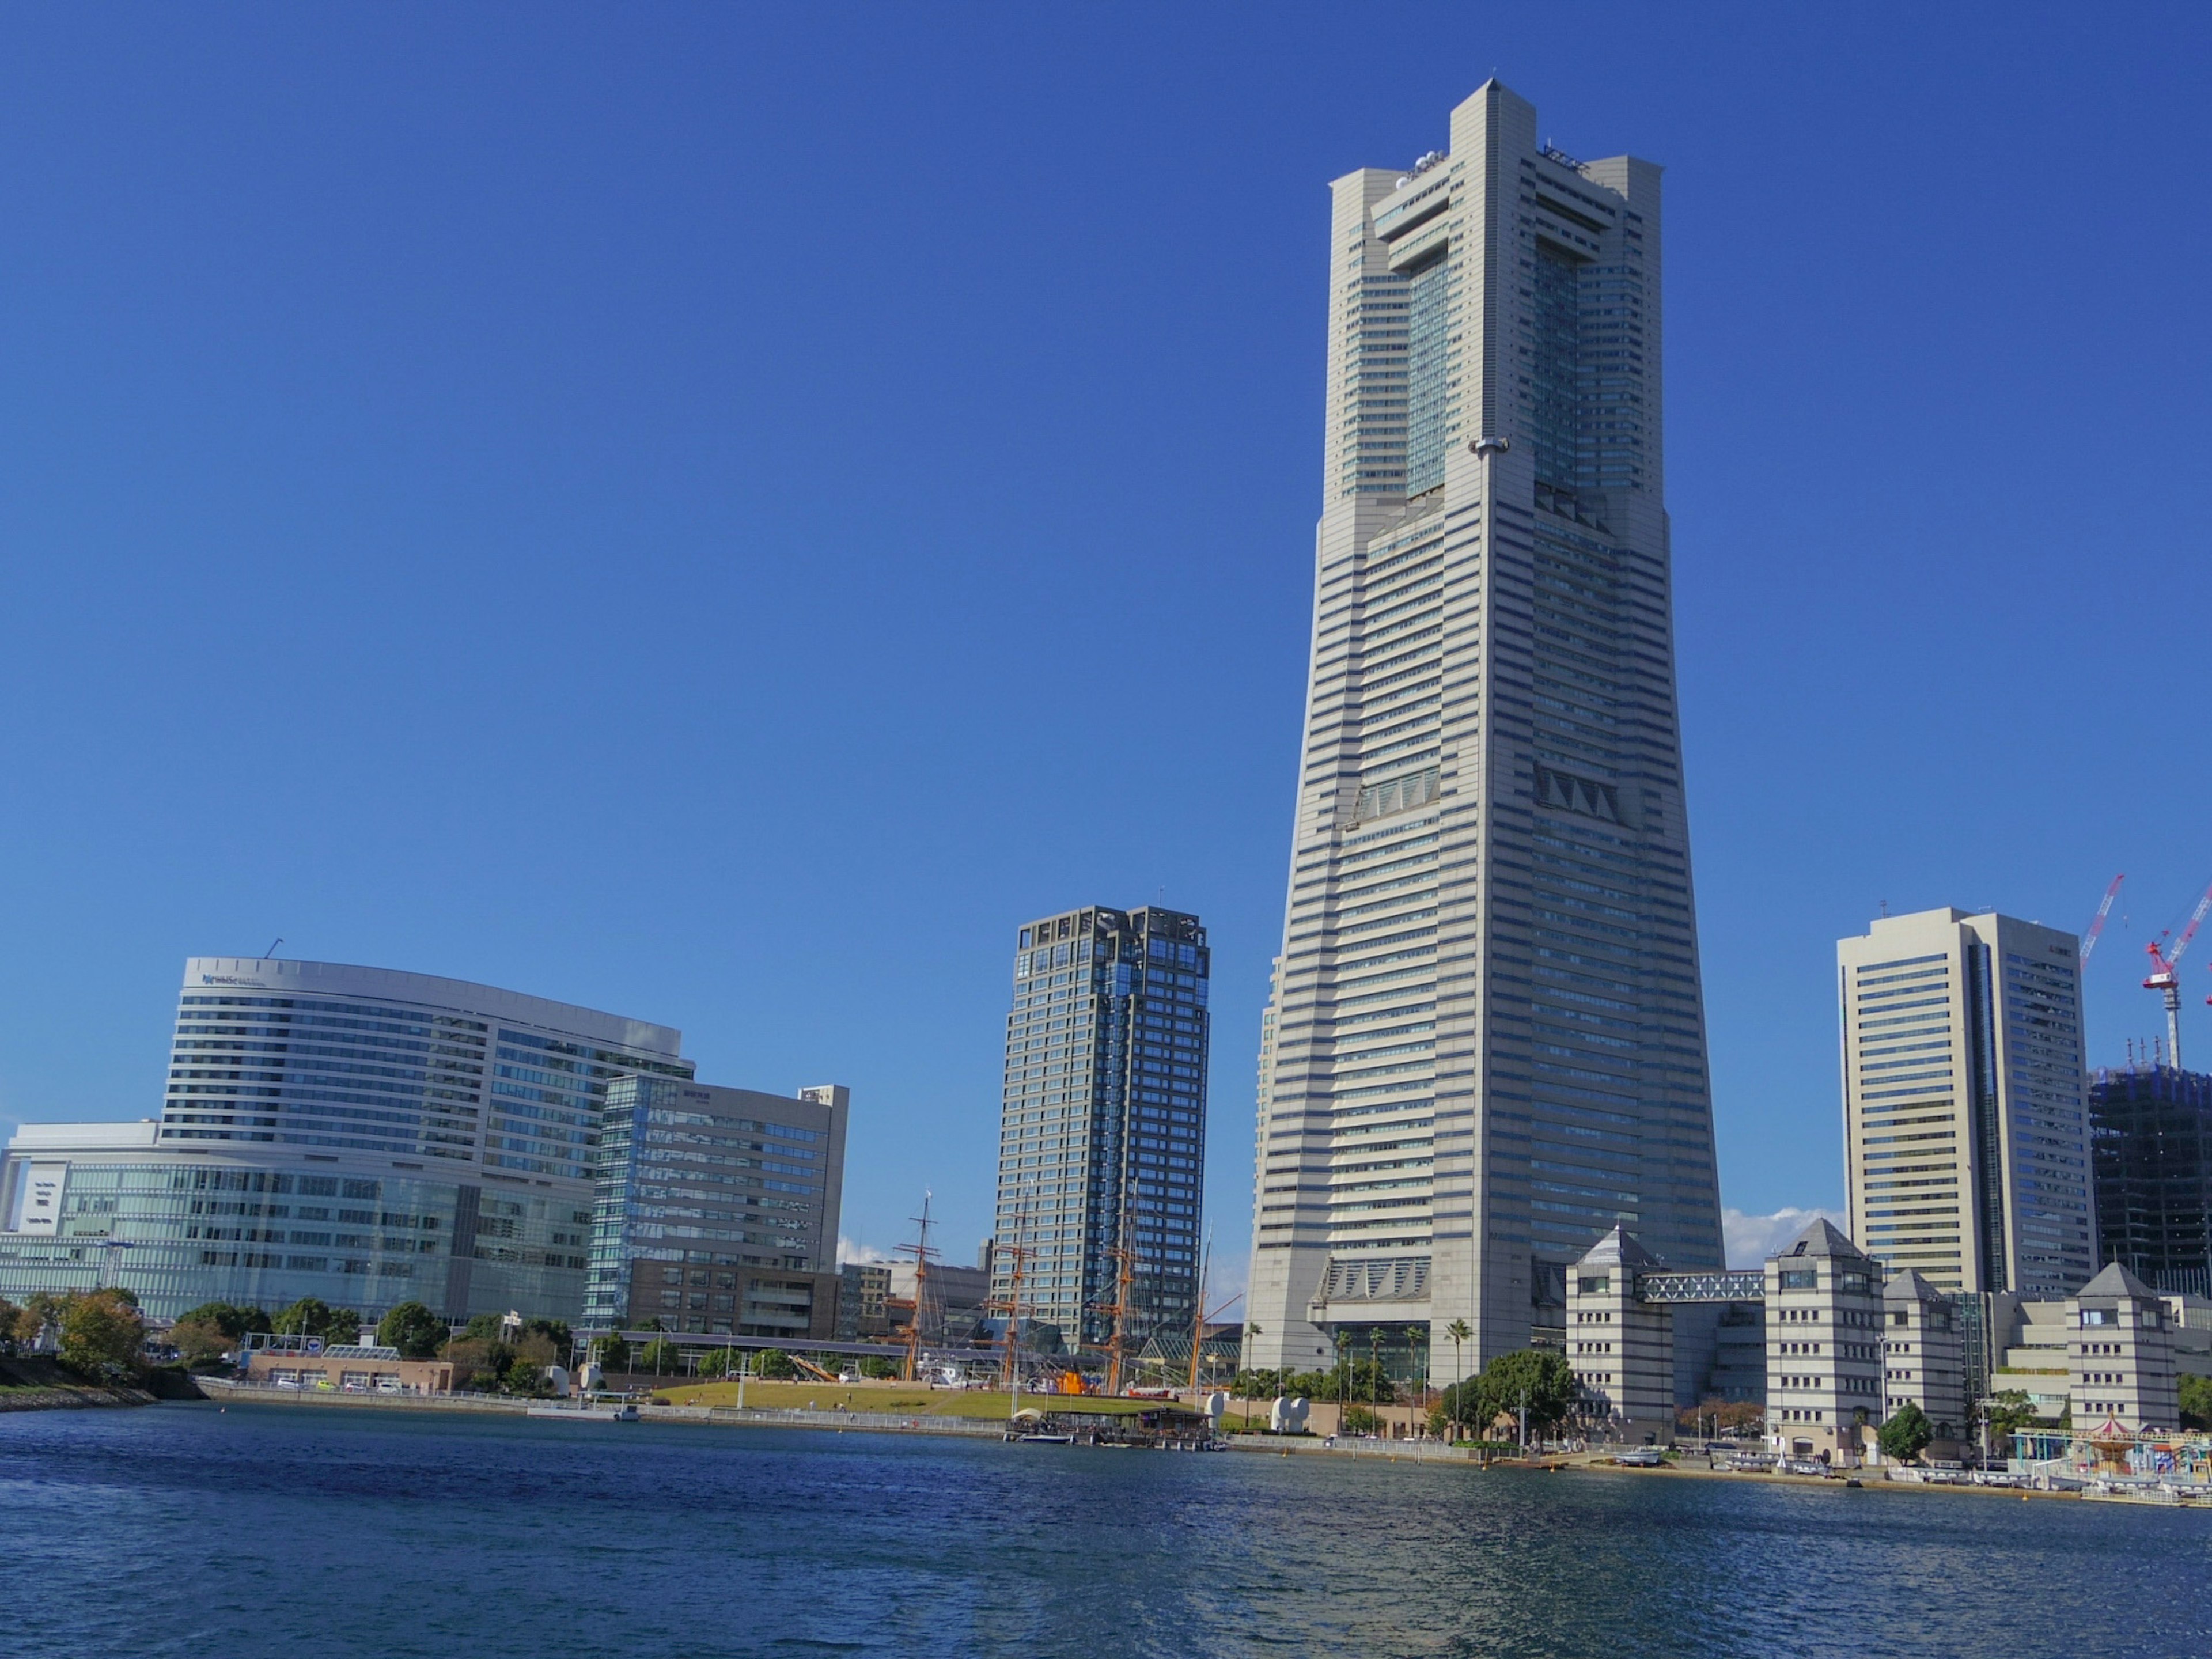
{"type": "Point", "coordinates": [2120, 1356]}
{"type": "Point", "coordinates": [1824, 1333]}
{"type": "Point", "coordinates": [348, 1369]}
{"type": "Point", "coordinates": [716, 1210]}
{"type": "Point", "coordinates": [862, 1289]}
{"type": "Point", "coordinates": [1924, 1354]}
{"type": "Point", "coordinates": [955, 1299]}
{"type": "Point", "coordinates": [1621, 1348]}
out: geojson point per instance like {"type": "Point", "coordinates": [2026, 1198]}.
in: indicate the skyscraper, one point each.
{"type": "Point", "coordinates": [1103, 1129]}
{"type": "Point", "coordinates": [2151, 1132]}
{"type": "Point", "coordinates": [1966, 1146]}
{"type": "Point", "coordinates": [1488, 1045]}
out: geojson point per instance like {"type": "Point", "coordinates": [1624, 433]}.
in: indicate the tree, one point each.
{"type": "Point", "coordinates": [2196, 1402]}
{"type": "Point", "coordinates": [234, 1322]}
{"type": "Point", "coordinates": [476, 1364]}
{"type": "Point", "coordinates": [1461, 1333]}
{"type": "Point", "coordinates": [1538, 1377]}
{"type": "Point", "coordinates": [101, 1333]}
{"type": "Point", "coordinates": [9, 1313]}
{"type": "Point", "coordinates": [555, 1331]}
{"type": "Point", "coordinates": [41, 1314]}
{"type": "Point", "coordinates": [1357, 1419]}
{"type": "Point", "coordinates": [1906, 1435]}
{"type": "Point", "coordinates": [201, 1343]}
{"type": "Point", "coordinates": [2010, 1411]}
{"type": "Point", "coordinates": [661, 1355]}
{"type": "Point", "coordinates": [413, 1329]}
{"type": "Point", "coordinates": [312, 1317]}
{"type": "Point", "coordinates": [880, 1370]}
{"type": "Point", "coordinates": [774, 1362]}
{"type": "Point", "coordinates": [612, 1352]}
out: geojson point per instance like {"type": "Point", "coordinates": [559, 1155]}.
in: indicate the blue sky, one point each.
{"type": "Point", "coordinates": [722, 513]}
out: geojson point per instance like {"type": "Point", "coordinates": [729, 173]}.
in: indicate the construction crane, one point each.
{"type": "Point", "coordinates": [2089, 939]}
{"type": "Point", "coordinates": [2166, 980]}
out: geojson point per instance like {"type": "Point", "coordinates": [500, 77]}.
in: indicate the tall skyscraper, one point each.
{"type": "Point", "coordinates": [1966, 1146]}
{"type": "Point", "coordinates": [1488, 1045]}
{"type": "Point", "coordinates": [1102, 1131]}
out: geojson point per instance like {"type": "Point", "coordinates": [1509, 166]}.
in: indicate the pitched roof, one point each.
{"type": "Point", "coordinates": [2117, 1280]}
{"type": "Point", "coordinates": [1822, 1239]}
{"type": "Point", "coordinates": [1619, 1248]}
{"type": "Point", "coordinates": [1910, 1286]}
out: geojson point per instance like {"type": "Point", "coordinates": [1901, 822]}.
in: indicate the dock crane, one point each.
{"type": "Point", "coordinates": [2165, 979]}
{"type": "Point", "coordinates": [2096, 927]}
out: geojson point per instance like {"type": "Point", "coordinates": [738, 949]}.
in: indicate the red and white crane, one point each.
{"type": "Point", "coordinates": [2166, 980]}
{"type": "Point", "coordinates": [2089, 939]}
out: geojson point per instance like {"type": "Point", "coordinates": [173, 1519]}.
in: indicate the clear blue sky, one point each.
{"type": "Point", "coordinates": [720, 514]}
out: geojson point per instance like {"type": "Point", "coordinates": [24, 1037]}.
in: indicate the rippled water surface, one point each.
{"type": "Point", "coordinates": [181, 1529]}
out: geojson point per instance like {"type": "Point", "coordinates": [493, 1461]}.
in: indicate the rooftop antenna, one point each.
{"type": "Point", "coordinates": [272, 951]}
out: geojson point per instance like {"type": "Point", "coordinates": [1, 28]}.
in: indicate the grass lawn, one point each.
{"type": "Point", "coordinates": [903, 1398]}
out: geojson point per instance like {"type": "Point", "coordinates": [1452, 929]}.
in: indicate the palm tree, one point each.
{"type": "Point", "coordinates": [1460, 1332]}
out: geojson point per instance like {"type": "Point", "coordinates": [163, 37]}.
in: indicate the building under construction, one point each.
{"type": "Point", "coordinates": [2151, 1143]}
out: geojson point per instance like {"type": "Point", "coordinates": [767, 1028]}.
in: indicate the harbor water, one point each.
{"type": "Point", "coordinates": [257, 1531]}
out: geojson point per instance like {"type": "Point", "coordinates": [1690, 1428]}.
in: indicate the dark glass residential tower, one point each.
{"type": "Point", "coordinates": [1102, 1126]}
{"type": "Point", "coordinates": [1488, 1043]}
{"type": "Point", "coordinates": [2150, 1138]}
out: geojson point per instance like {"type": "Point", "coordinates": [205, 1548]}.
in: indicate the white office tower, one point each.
{"type": "Point", "coordinates": [1965, 1126]}
{"type": "Point", "coordinates": [1488, 1046]}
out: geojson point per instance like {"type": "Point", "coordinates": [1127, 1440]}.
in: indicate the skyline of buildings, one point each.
{"type": "Point", "coordinates": [1484, 1042]}
{"type": "Point", "coordinates": [1102, 1140]}
{"type": "Point", "coordinates": [1967, 1151]}
{"type": "Point", "coordinates": [1487, 1039]}
{"type": "Point", "coordinates": [366, 1136]}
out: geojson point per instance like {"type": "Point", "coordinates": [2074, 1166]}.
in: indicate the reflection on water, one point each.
{"type": "Point", "coordinates": [179, 1529]}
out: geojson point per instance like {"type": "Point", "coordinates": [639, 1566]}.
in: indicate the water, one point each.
{"type": "Point", "coordinates": [179, 1529]}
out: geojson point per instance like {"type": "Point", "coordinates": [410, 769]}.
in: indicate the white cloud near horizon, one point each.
{"type": "Point", "coordinates": [1750, 1239]}
{"type": "Point", "coordinates": [849, 1251]}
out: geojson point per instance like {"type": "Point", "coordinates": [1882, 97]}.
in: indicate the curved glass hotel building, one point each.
{"type": "Point", "coordinates": [354, 1134]}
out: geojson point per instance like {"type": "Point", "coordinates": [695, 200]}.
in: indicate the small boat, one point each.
{"type": "Point", "coordinates": [1047, 1439]}
{"type": "Point", "coordinates": [627, 1414]}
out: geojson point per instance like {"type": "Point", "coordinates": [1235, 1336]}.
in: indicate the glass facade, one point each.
{"type": "Point", "coordinates": [434, 1074]}
{"type": "Point", "coordinates": [1102, 1122]}
{"type": "Point", "coordinates": [353, 1133]}
{"type": "Point", "coordinates": [2151, 1140]}
{"type": "Point", "coordinates": [693, 1177]}
{"type": "Point", "coordinates": [178, 1231]}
